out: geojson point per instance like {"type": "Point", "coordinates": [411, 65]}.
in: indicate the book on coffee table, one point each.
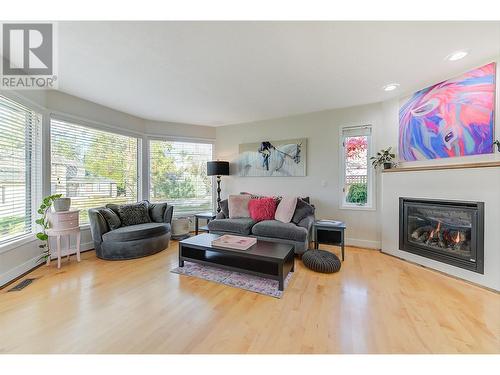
{"type": "Point", "coordinates": [228, 241]}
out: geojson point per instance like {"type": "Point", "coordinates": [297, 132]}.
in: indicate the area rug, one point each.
{"type": "Point", "coordinates": [251, 283]}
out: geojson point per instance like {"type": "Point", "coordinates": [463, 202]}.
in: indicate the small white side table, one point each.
{"type": "Point", "coordinates": [64, 224]}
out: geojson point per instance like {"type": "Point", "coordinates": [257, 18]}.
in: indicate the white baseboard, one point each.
{"type": "Point", "coordinates": [17, 271]}
{"type": "Point", "coordinates": [83, 247]}
{"type": "Point", "coordinates": [363, 243]}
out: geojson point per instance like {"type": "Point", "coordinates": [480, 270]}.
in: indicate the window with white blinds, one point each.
{"type": "Point", "coordinates": [20, 170]}
{"type": "Point", "coordinates": [178, 174]}
{"type": "Point", "coordinates": [92, 167]}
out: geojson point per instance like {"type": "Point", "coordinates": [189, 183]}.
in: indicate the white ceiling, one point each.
{"type": "Point", "coordinates": [218, 73]}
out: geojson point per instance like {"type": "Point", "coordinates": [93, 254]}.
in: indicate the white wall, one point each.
{"type": "Point", "coordinates": [15, 259]}
{"type": "Point", "coordinates": [177, 130]}
{"type": "Point", "coordinates": [482, 184]}
{"type": "Point", "coordinates": [322, 182]}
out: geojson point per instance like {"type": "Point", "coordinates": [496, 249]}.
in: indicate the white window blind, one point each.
{"type": "Point", "coordinates": [20, 171]}
{"type": "Point", "coordinates": [357, 131]}
{"type": "Point", "coordinates": [92, 167]}
{"type": "Point", "coordinates": [178, 174]}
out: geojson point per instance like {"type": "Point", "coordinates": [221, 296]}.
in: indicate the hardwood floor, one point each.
{"type": "Point", "coordinates": [375, 304]}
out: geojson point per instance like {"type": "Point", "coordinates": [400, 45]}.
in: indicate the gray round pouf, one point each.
{"type": "Point", "coordinates": [321, 261]}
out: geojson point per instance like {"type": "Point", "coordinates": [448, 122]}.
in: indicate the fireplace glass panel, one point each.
{"type": "Point", "coordinates": [443, 229]}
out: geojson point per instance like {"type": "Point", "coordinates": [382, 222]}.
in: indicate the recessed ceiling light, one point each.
{"type": "Point", "coordinates": [457, 55]}
{"type": "Point", "coordinates": [391, 86]}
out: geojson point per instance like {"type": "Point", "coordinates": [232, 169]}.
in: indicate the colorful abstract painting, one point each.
{"type": "Point", "coordinates": [451, 118]}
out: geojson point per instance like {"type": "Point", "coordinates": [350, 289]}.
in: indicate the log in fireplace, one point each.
{"type": "Point", "coordinates": [448, 231]}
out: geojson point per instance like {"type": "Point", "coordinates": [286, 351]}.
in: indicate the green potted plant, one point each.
{"type": "Point", "coordinates": [43, 221]}
{"type": "Point", "coordinates": [61, 204]}
{"type": "Point", "coordinates": [383, 158]}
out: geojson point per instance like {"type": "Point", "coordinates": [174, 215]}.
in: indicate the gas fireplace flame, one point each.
{"type": "Point", "coordinates": [435, 230]}
{"type": "Point", "coordinates": [457, 238]}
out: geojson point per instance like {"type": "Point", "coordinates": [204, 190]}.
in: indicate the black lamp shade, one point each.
{"type": "Point", "coordinates": [217, 168]}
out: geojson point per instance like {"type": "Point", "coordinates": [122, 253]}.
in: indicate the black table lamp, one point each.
{"type": "Point", "coordinates": [218, 168]}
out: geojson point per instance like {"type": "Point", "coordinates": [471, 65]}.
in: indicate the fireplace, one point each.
{"type": "Point", "coordinates": [451, 232]}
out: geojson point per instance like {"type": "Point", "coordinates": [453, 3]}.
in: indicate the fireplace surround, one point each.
{"type": "Point", "coordinates": [448, 231]}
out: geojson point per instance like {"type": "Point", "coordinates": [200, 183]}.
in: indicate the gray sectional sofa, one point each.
{"type": "Point", "coordinates": [298, 232]}
{"type": "Point", "coordinates": [120, 232]}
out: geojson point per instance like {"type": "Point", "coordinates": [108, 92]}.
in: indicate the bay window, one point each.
{"type": "Point", "coordinates": [92, 167]}
{"type": "Point", "coordinates": [178, 174]}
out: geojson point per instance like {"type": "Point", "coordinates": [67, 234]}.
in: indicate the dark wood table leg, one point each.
{"type": "Point", "coordinates": [281, 280]}
{"type": "Point", "coordinates": [342, 243]}
{"type": "Point", "coordinates": [316, 244]}
{"type": "Point", "coordinates": [181, 262]}
{"type": "Point", "coordinates": [196, 225]}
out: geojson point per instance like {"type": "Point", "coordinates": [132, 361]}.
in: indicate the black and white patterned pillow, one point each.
{"type": "Point", "coordinates": [302, 210]}
{"type": "Point", "coordinates": [133, 214]}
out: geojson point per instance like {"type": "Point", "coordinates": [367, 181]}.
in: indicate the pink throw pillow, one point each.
{"type": "Point", "coordinates": [238, 206]}
{"type": "Point", "coordinates": [262, 208]}
{"type": "Point", "coordinates": [286, 209]}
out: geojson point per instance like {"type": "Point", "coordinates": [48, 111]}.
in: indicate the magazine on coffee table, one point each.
{"type": "Point", "coordinates": [228, 241]}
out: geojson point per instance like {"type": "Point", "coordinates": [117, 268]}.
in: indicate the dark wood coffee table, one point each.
{"type": "Point", "coordinates": [264, 259]}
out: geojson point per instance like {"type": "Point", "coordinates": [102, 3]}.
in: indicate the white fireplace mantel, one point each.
{"type": "Point", "coordinates": [470, 184]}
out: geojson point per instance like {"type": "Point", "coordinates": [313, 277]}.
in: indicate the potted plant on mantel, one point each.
{"type": "Point", "coordinates": [497, 143]}
{"type": "Point", "coordinates": [384, 158]}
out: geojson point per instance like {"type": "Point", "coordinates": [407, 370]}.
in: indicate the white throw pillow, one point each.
{"type": "Point", "coordinates": [286, 209]}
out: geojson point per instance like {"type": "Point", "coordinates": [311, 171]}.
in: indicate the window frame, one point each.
{"type": "Point", "coordinates": [36, 176]}
{"type": "Point", "coordinates": [98, 126]}
{"type": "Point", "coordinates": [147, 165]}
{"type": "Point", "coordinates": [370, 175]}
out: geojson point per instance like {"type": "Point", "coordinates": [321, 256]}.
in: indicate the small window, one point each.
{"type": "Point", "coordinates": [356, 171]}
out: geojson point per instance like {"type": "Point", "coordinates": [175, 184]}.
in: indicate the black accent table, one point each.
{"type": "Point", "coordinates": [265, 259]}
{"type": "Point", "coordinates": [208, 216]}
{"type": "Point", "coordinates": [329, 232]}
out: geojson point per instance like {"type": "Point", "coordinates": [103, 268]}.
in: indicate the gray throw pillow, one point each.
{"type": "Point", "coordinates": [135, 213]}
{"type": "Point", "coordinates": [114, 207]}
{"type": "Point", "coordinates": [302, 210]}
{"type": "Point", "coordinates": [157, 211]}
{"type": "Point", "coordinates": [111, 218]}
